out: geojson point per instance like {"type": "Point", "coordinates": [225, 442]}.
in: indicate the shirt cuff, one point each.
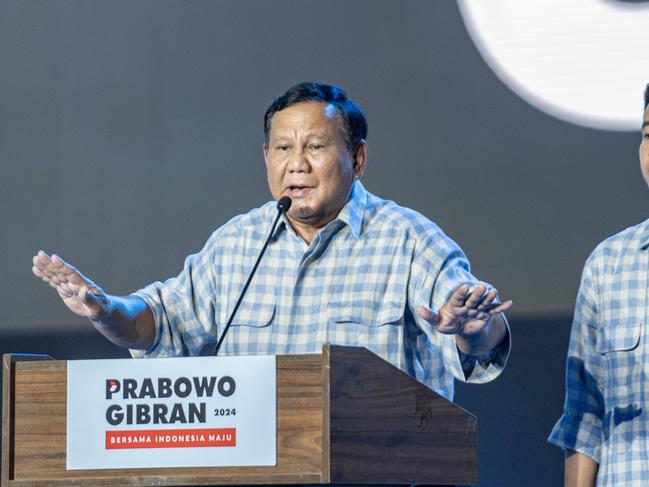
{"type": "Point", "coordinates": [487, 366]}
{"type": "Point", "coordinates": [578, 434]}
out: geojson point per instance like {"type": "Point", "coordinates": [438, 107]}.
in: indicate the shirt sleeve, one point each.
{"type": "Point", "coordinates": [439, 268]}
{"type": "Point", "coordinates": [183, 308]}
{"type": "Point", "coordinates": [580, 426]}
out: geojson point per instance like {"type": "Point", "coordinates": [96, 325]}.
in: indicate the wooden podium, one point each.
{"type": "Point", "coordinates": [343, 416]}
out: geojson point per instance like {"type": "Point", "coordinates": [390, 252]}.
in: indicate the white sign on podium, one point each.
{"type": "Point", "coordinates": [171, 412]}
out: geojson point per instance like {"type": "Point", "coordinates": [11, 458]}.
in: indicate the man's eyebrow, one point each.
{"type": "Point", "coordinates": [278, 138]}
{"type": "Point", "coordinates": [644, 124]}
{"type": "Point", "coordinates": [318, 135]}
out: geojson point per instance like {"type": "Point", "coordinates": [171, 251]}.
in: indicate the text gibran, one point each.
{"type": "Point", "coordinates": [165, 388]}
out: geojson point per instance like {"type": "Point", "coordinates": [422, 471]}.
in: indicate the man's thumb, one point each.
{"type": "Point", "coordinates": [91, 300]}
{"type": "Point", "coordinates": [428, 314]}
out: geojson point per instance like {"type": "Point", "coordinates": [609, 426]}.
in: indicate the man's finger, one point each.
{"type": "Point", "coordinates": [428, 314]}
{"type": "Point", "coordinates": [42, 276]}
{"type": "Point", "coordinates": [39, 261]}
{"type": "Point", "coordinates": [70, 272]}
{"type": "Point", "coordinates": [44, 269]}
{"type": "Point", "coordinates": [41, 258]}
{"type": "Point", "coordinates": [487, 302]}
{"type": "Point", "coordinates": [58, 261]}
{"type": "Point", "coordinates": [459, 296]}
{"type": "Point", "coordinates": [476, 296]}
{"type": "Point", "coordinates": [501, 307]}
{"type": "Point", "coordinates": [48, 266]}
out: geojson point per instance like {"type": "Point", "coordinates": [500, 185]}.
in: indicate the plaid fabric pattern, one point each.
{"type": "Point", "coordinates": [607, 386]}
{"type": "Point", "coordinates": [357, 283]}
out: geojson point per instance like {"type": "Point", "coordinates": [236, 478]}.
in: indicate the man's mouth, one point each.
{"type": "Point", "coordinates": [297, 191]}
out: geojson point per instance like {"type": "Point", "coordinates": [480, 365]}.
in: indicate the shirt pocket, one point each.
{"type": "Point", "coordinates": [253, 314]}
{"type": "Point", "coordinates": [618, 343]}
{"type": "Point", "coordinates": [370, 309]}
{"type": "Point", "coordinates": [250, 332]}
{"type": "Point", "coordinates": [618, 335]}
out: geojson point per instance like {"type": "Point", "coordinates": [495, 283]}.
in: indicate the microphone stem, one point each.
{"type": "Point", "coordinates": [245, 287]}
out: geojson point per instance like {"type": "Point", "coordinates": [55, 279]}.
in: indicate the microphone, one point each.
{"type": "Point", "coordinates": [283, 204]}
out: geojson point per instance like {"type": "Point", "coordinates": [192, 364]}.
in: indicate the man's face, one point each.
{"type": "Point", "coordinates": [644, 146]}
{"type": "Point", "coordinates": [308, 160]}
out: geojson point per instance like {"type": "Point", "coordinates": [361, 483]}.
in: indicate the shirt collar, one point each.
{"type": "Point", "coordinates": [351, 214]}
{"type": "Point", "coordinates": [643, 235]}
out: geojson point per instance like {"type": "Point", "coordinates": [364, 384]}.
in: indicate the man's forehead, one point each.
{"type": "Point", "coordinates": [328, 109]}
{"type": "Point", "coordinates": [302, 115]}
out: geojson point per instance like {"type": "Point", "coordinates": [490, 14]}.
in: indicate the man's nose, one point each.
{"type": "Point", "coordinates": [298, 162]}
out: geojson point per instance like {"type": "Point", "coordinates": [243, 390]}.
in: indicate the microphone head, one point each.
{"type": "Point", "coordinates": [283, 204]}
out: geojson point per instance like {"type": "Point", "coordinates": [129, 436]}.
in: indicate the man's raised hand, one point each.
{"type": "Point", "coordinates": [474, 317]}
{"type": "Point", "coordinates": [82, 296]}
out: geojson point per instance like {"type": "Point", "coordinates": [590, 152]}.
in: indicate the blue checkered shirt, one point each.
{"type": "Point", "coordinates": [607, 382]}
{"type": "Point", "coordinates": [357, 283]}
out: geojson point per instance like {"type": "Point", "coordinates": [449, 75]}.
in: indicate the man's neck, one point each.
{"type": "Point", "coordinates": [306, 232]}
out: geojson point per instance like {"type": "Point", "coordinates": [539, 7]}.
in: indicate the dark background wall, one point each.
{"type": "Point", "coordinates": [130, 130]}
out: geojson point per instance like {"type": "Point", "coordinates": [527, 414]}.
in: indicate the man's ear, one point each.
{"type": "Point", "coordinates": [360, 158]}
{"type": "Point", "coordinates": [266, 154]}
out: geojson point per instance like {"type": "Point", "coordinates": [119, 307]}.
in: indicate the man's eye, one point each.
{"type": "Point", "coordinates": [282, 147]}
{"type": "Point", "coordinates": [316, 146]}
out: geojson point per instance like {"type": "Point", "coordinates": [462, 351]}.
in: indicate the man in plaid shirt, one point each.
{"type": "Point", "coordinates": [605, 423]}
{"type": "Point", "coordinates": [343, 267]}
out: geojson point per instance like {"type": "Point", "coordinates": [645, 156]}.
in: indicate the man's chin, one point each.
{"type": "Point", "coordinates": [305, 216]}
{"type": "Point", "coordinates": [300, 213]}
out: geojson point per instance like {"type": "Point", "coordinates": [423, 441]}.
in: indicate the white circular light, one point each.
{"type": "Point", "coordinates": [583, 61]}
